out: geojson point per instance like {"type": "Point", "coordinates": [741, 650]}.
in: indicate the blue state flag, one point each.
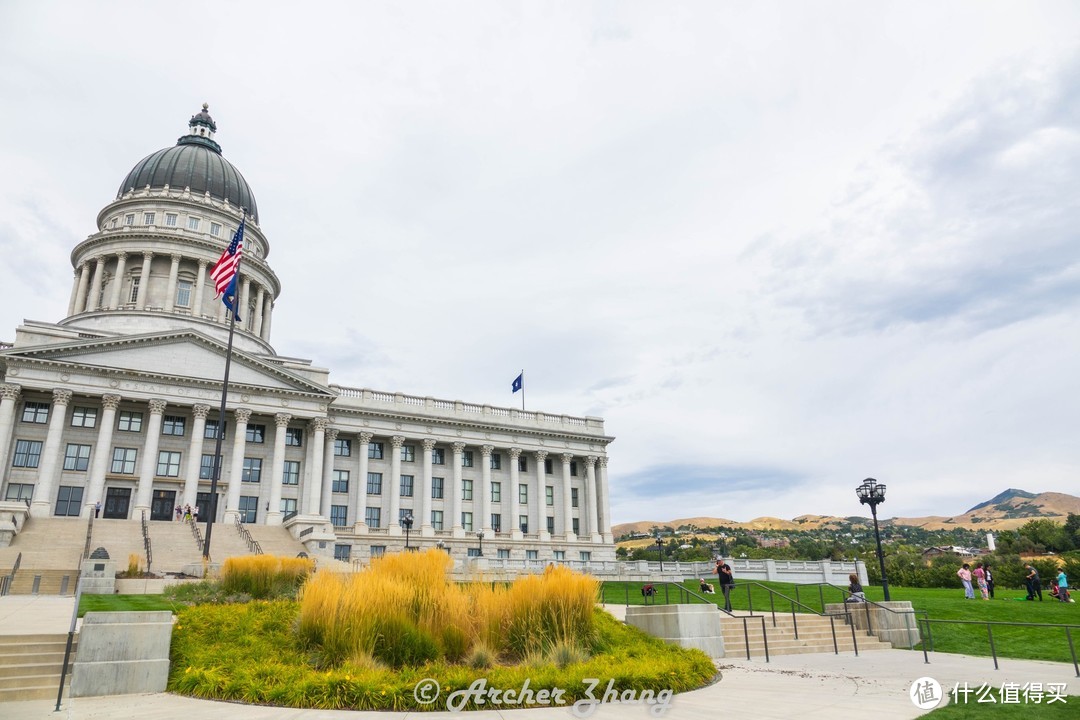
{"type": "Point", "coordinates": [519, 383]}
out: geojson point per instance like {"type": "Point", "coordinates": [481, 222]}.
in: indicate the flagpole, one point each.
{"type": "Point", "coordinates": [522, 389]}
{"type": "Point", "coordinates": [221, 412]}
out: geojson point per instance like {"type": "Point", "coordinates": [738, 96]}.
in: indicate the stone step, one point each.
{"type": "Point", "coordinates": [35, 689]}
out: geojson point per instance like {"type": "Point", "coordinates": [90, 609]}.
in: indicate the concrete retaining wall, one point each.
{"type": "Point", "coordinates": [122, 653]}
{"type": "Point", "coordinates": [689, 626]}
{"type": "Point", "coordinates": [898, 627]}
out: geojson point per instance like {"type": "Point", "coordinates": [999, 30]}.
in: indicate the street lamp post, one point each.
{"type": "Point", "coordinates": [660, 549]}
{"type": "Point", "coordinates": [480, 537]}
{"type": "Point", "coordinates": [406, 520]}
{"type": "Point", "coordinates": [872, 493]}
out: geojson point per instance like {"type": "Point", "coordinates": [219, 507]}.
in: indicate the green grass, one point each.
{"type": "Point", "coordinates": [124, 603]}
{"type": "Point", "coordinates": [971, 709]}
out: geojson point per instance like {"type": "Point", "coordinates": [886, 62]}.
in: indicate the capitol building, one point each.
{"type": "Point", "coordinates": [114, 409]}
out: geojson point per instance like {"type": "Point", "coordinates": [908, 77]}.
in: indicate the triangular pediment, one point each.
{"type": "Point", "coordinates": [187, 355]}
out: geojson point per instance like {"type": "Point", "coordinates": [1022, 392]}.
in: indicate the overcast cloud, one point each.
{"type": "Point", "coordinates": [778, 247]}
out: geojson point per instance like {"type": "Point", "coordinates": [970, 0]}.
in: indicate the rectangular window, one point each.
{"type": "Point", "coordinates": [503, 553]}
{"type": "Point", "coordinates": [215, 228]}
{"type": "Point", "coordinates": [377, 551]}
{"type": "Point", "coordinates": [466, 489]}
{"type": "Point", "coordinates": [373, 517]}
{"type": "Point", "coordinates": [496, 461]}
{"type": "Point", "coordinates": [252, 472]}
{"type": "Point", "coordinates": [374, 483]}
{"type": "Point", "coordinates": [84, 417]}
{"type": "Point", "coordinates": [408, 453]}
{"type": "Point", "coordinates": [549, 496]}
{"type": "Point", "coordinates": [472, 552]}
{"type": "Point", "coordinates": [170, 219]}
{"type": "Point", "coordinates": [548, 466]}
{"type": "Point", "coordinates": [192, 223]}
{"type": "Point", "coordinates": [559, 554]}
{"type": "Point", "coordinates": [134, 297]}
{"type": "Point", "coordinates": [35, 412]}
{"type": "Point", "coordinates": [340, 482]}
{"type": "Point", "coordinates": [343, 448]}
{"type": "Point", "coordinates": [68, 501]}
{"type": "Point", "coordinates": [168, 464]}
{"type": "Point", "coordinates": [585, 556]}
{"type": "Point", "coordinates": [129, 421]}
{"type": "Point", "coordinates": [523, 523]}
{"type": "Point", "coordinates": [496, 491]}
{"type": "Point", "coordinates": [206, 467]}
{"type": "Point", "coordinates": [575, 525]}
{"type": "Point", "coordinates": [290, 474]}
{"type": "Point", "coordinates": [573, 497]}
{"type": "Point", "coordinates": [172, 425]}
{"type": "Point", "coordinates": [294, 437]}
{"type": "Point", "coordinates": [406, 485]}
{"type": "Point", "coordinates": [523, 494]}
{"type": "Point", "coordinates": [438, 456]}
{"type": "Point", "coordinates": [256, 433]}
{"type": "Point", "coordinates": [496, 522]}
{"type": "Point", "coordinates": [27, 453]}
{"type": "Point", "coordinates": [532, 554]}
{"type": "Point", "coordinates": [339, 515]}
{"type": "Point", "coordinates": [210, 432]}
{"type": "Point", "coordinates": [437, 488]}
{"type": "Point", "coordinates": [19, 491]}
{"type": "Point", "coordinates": [342, 552]}
{"type": "Point", "coordinates": [375, 450]}
{"type": "Point", "coordinates": [123, 461]}
{"type": "Point", "coordinates": [436, 519]}
{"type": "Point", "coordinates": [288, 506]}
{"type": "Point", "coordinates": [148, 218]}
{"type": "Point", "coordinates": [77, 457]}
{"type": "Point", "coordinates": [129, 219]}
{"type": "Point", "coordinates": [523, 463]}
{"type": "Point", "coordinates": [249, 508]}
{"type": "Point", "coordinates": [183, 293]}
{"type": "Point", "coordinates": [466, 458]}
{"type": "Point", "coordinates": [551, 525]}
{"type": "Point", "coordinates": [466, 521]}
{"type": "Point", "coordinates": [573, 468]}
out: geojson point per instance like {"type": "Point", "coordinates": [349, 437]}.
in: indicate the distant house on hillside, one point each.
{"type": "Point", "coordinates": [961, 552]}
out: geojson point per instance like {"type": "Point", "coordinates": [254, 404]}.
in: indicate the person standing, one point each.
{"type": "Point", "coordinates": [1034, 585]}
{"type": "Point", "coordinates": [727, 581]}
{"type": "Point", "coordinates": [964, 574]}
{"type": "Point", "coordinates": [97, 509]}
{"type": "Point", "coordinates": [980, 580]}
{"type": "Point", "coordinates": [1063, 586]}
{"type": "Point", "coordinates": [989, 580]}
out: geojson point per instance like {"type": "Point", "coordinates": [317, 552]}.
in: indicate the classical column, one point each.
{"type": "Point", "coordinates": [266, 321]}
{"type": "Point", "coordinates": [604, 502]}
{"type": "Point", "coordinates": [245, 298]}
{"type": "Point", "coordinates": [317, 429]}
{"type": "Point", "coordinates": [170, 295]}
{"type": "Point", "coordinates": [361, 496]}
{"type": "Point", "coordinates": [194, 463]}
{"type": "Point", "coordinates": [148, 468]}
{"type": "Point", "coordinates": [236, 470]}
{"type": "Point", "coordinates": [328, 471]}
{"type": "Point", "coordinates": [95, 493]}
{"type": "Point", "coordinates": [200, 288]}
{"type": "Point", "coordinates": [426, 528]}
{"type": "Point", "coordinates": [92, 303]}
{"type": "Point", "coordinates": [567, 503]}
{"type": "Point", "coordinates": [80, 295]}
{"type": "Point", "coordinates": [277, 470]}
{"type": "Point", "coordinates": [515, 506]}
{"type": "Point", "coordinates": [394, 486]}
{"type": "Point", "coordinates": [455, 491]}
{"type": "Point", "coordinates": [9, 398]}
{"type": "Point", "coordinates": [541, 498]}
{"type": "Point", "coordinates": [485, 491]}
{"type": "Point", "coordinates": [591, 516]}
{"type": "Point", "coordinates": [258, 319]}
{"type": "Point", "coordinates": [118, 282]}
{"type": "Point", "coordinates": [50, 455]}
{"type": "Point", "coordinates": [144, 282]}
{"type": "Point", "coordinates": [74, 292]}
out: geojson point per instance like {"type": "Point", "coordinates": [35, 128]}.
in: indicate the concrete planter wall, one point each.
{"type": "Point", "coordinates": [122, 653]}
{"type": "Point", "coordinates": [689, 626]}
{"type": "Point", "coordinates": [898, 627]}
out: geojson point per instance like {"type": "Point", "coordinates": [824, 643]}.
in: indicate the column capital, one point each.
{"type": "Point", "coordinates": [111, 401]}
{"type": "Point", "coordinates": [100, 259]}
{"type": "Point", "coordinates": [365, 437]}
{"type": "Point", "coordinates": [122, 255]}
{"type": "Point", "coordinates": [203, 264]}
{"type": "Point", "coordinates": [541, 455]}
{"type": "Point", "coordinates": [603, 462]}
{"type": "Point", "coordinates": [429, 445]}
{"type": "Point", "coordinates": [567, 457]}
{"type": "Point", "coordinates": [148, 254]}
{"type": "Point", "coordinates": [486, 450]}
{"type": "Point", "coordinates": [200, 411]}
{"type": "Point", "coordinates": [397, 441]}
{"type": "Point", "coordinates": [318, 424]}
{"type": "Point", "coordinates": [459, 447]}
{"type": "Point", "coordinates": [590, 461]}
{"type": "Point", "coordinates": [157, 406]}
{"type": "Point", "coordinates": [61, 396]}
{"type": "Point", "coordinates": [176, 258]}
{"type": "Point", "coordinates": [10, 391]}
{"type": "Point", "coordinates": [282, 419]}
{"type": "Point", "coordinates": [332, 433]}
{"type": "Point", "coordinates": [242, 415]}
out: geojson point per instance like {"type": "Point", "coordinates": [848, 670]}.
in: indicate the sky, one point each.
{"type": "Point", "coordinates": [778, 247]}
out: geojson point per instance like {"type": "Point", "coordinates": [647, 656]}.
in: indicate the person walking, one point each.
{"type": "Point", "coordinates": [964, 574]}
{"type": "Point", "coordinates": [980, 580]}
{"type": "Point", "coordinates": [989, 580]}
{"type": "Point", "coordinates": [1063, 586]}
{"type": "Point", "coordinates": [1034, 585]}
{"type": "Point", "coordinates": [727, 581]}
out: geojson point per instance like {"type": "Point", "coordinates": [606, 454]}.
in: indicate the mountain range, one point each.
{"type": "Point", "coordinates": [1005, 511]}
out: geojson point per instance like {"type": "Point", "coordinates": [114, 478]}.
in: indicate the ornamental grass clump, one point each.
{"type": "Point", "coordinates": [265, 576]}
{"type": "Point", "coordinates": [544, 611]}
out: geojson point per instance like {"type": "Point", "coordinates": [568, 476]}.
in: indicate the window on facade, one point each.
{"type": "Point", "coordinates": [466, 489]}
{"type": "Point", "coordinates": [466, 458]}
{"type": "Point", "coordinates": [342, 552]}
{"type": "Point", "coordinates": [343, 448]}
{"type": "Point", "coordinates": [215, 228]}
{"type": "Point", "coordinates": [288, 506]}
{"type": "Point", "coordinates": [183, 293]}
{"type": "Point", "coordinates": [68, 501]}
{"type": "Point", "coordinates": [548, 466]}
{"type": "Point", "coordinates": [84, 417]}
{"type": "Point", "coordinates": [339, 515]}
{"type": "Point", "coordinates": [290, 473]}
{"type": "Point", "coordinates": [252, 472]}
{"type": "Point", "coordinates": [77, 457]}
{"type": "Point", "coordinates": [170, 219]}
{"type": "Point", "coordinates": [377, 551]}
{"type": "Point", "coordinates": [523, 463]}
{"type": "Point", "coordinates": [573, 497]}
{"type": "Point", "coordinates": [549, 496]}
{"type": "Point", "coordinates": [438, 456]}
{"type": "Point", "coordinates": [129, 219]}
{"type": "Point", "coordinates": [294, 437]}
{"type": "Point", "coordinates": [437, 488]}
{"type": "Point", "coordinates": [523, 523]}
{"type": "Point", "coordinates": [256, 433]}
{"type": "Point", "coordinates": [206, 467]}
{"type": "Point", "coordinates": [573, 468]}
{"type": "Point", "coordinates": [523, 494]}
{"type": "Point", "coordinates": [148, 218]}
{"type": "Point", "coordinates": [473, 552]}
{"type": "Point", "coordinates": [373, 517]}
{"type": "Point", "coordinates": [374, 483]}
{"type": "Point", "coordinates": [496, 492]}
{"type": "Point", "coordinates": [19, 491]}
{"type": "Point", "coordinates": [340, 482]}
{"type": "Point", "coordinates": [192, 223]}
{"type": "Point", "coordinates": [406, 485]}
{"type": "Point", "coordinates": [173, 425]}
{"type": "Point", "coordinates": [466, 521]}
{"type": "Point", "coordinates": [249, 508]}
{"type": "Point", "coordinates": [496, 522]}
{"type": "Point", "coordinates": [551, 525]}
{"type": "Point", "coordinates": [574, 525]}
{"type": "Point", "coordinates": [123, 461]}
{"type": "Point", "coordinates": [168, 464]}
{"type": "Point", "coordinates": [585, 556]}
{"type": "Point", "coordinates": [532, 554]}
{"type": "Point", "coordinates": [408, 453]}
{"type": "Point", "coordinates": [134, 297]}
{"type": "Point", "coordinates": [210, 431]}
{"type": "Point", "coordinates": [27, 454]}
{"type": "Point", "coordinates": [559, 554]}
{"type": "Point", "coordinates": [502, 553]}
{"type": "Point", "coordinates": [35, 412]}
{"type": "Point", "coordinates": [375, 450]}
{"type": "Point", "coordinates": [129, 421]}
{"type": "Point", "coordinates": [496, 461]}
{"type": "Point", "coordinates": [436, 520]}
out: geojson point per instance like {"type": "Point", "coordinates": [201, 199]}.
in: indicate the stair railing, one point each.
{"type": "Point", "coordinates": [7, 580]}
{"type": "Point", "coordinates": [146, 542]}
{"type": "Point", "coordinates": [196, 533]}
{"type": "Point", "coordinates": [909, 615]}
{"type": "Point", "coordinates": [252, 544]}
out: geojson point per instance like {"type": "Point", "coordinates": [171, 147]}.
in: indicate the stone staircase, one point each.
{"type": "Point", "coordinates": [30, 666]}
{"type": "Point", "coordinates": [51, 550]}
{"type": "Point", "coordinates": [815, 636]}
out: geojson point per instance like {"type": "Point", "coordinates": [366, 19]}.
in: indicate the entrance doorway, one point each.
{"type": "Point", "coordinates": [206, 508]}
{"type": "Point", "coordinates": [117, 502]}
{"type": "Point", "coordinates": [163, 505]}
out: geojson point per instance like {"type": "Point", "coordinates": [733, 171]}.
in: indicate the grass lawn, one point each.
{"type": "Point", "coordinates": [1053, 711]}
{"type": "Point", "coordinates": [124, 603]}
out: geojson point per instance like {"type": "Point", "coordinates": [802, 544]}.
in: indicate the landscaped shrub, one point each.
{"type": "Point", "coordinates": [265, 576]}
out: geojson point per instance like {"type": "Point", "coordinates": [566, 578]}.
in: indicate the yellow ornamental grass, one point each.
{"type": "Point", "coordinates": [264, 576]}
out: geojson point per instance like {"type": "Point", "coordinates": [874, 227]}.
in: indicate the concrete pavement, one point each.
{"type": "Point", "coordinates": [874, 684]}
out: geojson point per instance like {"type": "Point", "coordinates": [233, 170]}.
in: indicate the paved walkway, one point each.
{"type": "Point", "coordinates": [875, 684]}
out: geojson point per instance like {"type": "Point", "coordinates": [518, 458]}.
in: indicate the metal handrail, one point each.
{"type": "Point", "coordinates": [252, 543]}
{"type": "Point", "coordinates": [990, 635]}
{"type": "Point", "coordinates": [195, 532]}
{"type": "Point", "coordinates": [146, 542]}
{"type": "Point", "coordinates": [866, 602]}
{"type": "Point", "coordinates": [7, 580]}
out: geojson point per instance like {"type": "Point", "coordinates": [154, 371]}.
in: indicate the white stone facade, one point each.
{"type": "Point", "coordinates": [116, 403]}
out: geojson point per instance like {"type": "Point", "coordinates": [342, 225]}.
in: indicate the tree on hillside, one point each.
{"type": "Point", "coordinates": [1051, 535]}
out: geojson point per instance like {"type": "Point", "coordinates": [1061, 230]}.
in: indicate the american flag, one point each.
{"type": "Point", "coordinates": [224, 273]}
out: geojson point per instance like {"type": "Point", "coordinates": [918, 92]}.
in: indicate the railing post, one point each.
{"type": "Point", "coordinates": [832, 626]}
{"type": "Point", "coordinates": [794, 621]}
{"type": "Point", "coordinates": [765, 637]}
{"type": "Point", "coordinates": [749, 599]}
{"type": "Point", "coordinates": [821, 596]}
{"type": "Point", "coordinates": [772, 607]}
{"type": "Point", "coordinates": [746, 636]}
{"type": "Point", "coordinates": [854, 641]}
{"type": "Point", "coordinates": [925, 656]}
{"type": "Point", "coordinates": [1072, 651]}
{"type": "Point", "coordinates": [993, 651]}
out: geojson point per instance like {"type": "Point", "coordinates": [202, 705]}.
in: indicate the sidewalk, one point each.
{"type": "Point", "coordinates": [807, 686]}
